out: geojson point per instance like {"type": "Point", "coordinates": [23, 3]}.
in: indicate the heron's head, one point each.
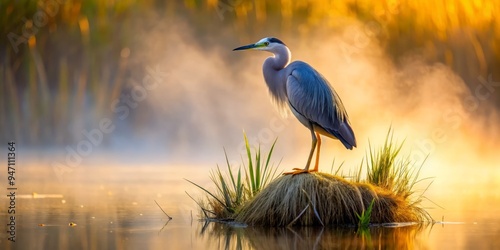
{"type": "Point", "coordinates": [266, 44]}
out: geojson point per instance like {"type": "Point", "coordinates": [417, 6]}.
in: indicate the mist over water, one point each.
{"type": "Point", "coordinates": [211, 94]}
{"type": "Point", "coordinates": [204, 95]}
{"type": "Point", "coordinates": [187, 95]}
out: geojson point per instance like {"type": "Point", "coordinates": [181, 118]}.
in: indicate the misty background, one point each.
{"type": "Point", "coordinates": [155, 82]}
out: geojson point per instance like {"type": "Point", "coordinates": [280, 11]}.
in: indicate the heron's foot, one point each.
{"type": "Point", "coordinates": [300, 171]}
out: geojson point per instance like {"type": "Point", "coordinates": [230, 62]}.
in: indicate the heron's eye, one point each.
{"type": "Point", "coordinates": [266, 43]}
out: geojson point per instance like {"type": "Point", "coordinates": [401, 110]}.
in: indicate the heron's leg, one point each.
{"type": "Point", "coordinates": [313, 146]}
{"type": "Point", "coordinates": [311, 152]}
{"type": "Point", "coordinates": [317, 152]}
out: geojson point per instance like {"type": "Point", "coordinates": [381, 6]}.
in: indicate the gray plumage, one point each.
{"type": "Point", "coordinates": [308, 94]}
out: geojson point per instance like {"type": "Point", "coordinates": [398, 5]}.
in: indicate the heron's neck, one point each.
{"type": "Point", "coordinates": [282, 56]}
{"type": "Point", "coordinates": [274, 75]}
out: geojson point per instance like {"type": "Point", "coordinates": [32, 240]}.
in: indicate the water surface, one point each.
{"type": "Point", "coordinates": [114, 207]}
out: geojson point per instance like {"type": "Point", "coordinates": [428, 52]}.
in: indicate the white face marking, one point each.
{"type": "Point", "coordinates": [268, 47]}
{"type": "Point", "coordinates": [265, 39]}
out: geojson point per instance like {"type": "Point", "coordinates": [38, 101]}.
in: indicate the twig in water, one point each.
{"type": "Point", "coordinates": [164, 226]}
{"type": "Point", "coordinates": [169, 218]}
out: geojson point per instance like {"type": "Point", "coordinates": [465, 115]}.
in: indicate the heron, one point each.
{"type": "Point", "coordinates": [309, 96]}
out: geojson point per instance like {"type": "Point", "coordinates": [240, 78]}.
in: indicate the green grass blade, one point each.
{"type": "Point", "coordinates": [250, 165]}
{"type": "Point", "coordinates": [208, 192]}
{"type": "Point", "coordinates": [234, 188]}
{"type": "Point", "coordinates": [229, 169]}
{"type": "Point", "coordinates": [202, 208]}
{"type": "Point", "coordinates": [364, 218]}
{"type": "Point", "coordinates": [239, 190]}
{"type": "Point", "coordinates": [225, 193]}
{"type": "Point", "coordinates": [257, 172]}
{"type": "Point", "coordinates": [266, 170]}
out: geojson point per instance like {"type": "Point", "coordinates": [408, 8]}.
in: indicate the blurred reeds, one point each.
{"type": "Point", "coordinates": [65, 75]}
{"type": "Point", "coordinates": [71, 69]}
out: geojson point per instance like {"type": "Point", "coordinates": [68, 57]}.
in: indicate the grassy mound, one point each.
{"type": "Point", "coordinates": [256, 197]}
{"type": "Point", "coordinates": [324, 199]}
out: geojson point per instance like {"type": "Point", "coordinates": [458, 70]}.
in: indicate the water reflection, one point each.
{"type": "Point", "coordinates": [221, 236]}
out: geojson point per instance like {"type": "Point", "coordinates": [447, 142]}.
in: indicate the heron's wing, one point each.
{"type": "Point", "coordinates": [310, 94]}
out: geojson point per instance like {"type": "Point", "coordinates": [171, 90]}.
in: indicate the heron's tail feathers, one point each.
{"type": "Point", "coordinates": [346, 135]}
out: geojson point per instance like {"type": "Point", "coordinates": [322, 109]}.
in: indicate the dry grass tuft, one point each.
{"type": "Point", "coordinates": [324, 199]}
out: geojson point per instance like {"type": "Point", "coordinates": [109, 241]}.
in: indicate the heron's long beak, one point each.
{"type": "Point", "coordinates": [250, 46]}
